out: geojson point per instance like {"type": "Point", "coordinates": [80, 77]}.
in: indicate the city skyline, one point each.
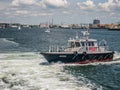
{"type": "Point", "coordinates": [61, 11]}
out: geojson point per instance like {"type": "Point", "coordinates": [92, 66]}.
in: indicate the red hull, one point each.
{"type": "Point", "coordinates": [92, 61]}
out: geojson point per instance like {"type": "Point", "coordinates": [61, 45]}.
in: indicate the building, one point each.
{"type": "Point", "coordinates": [96, 21]}
{"type": "Point", "coordinates": [4, 25]}
{"type": "Point", "coordinates": [43, 25]}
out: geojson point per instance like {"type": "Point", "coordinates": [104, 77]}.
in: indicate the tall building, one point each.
{"type": "Point", "coordinates": [96, 21]}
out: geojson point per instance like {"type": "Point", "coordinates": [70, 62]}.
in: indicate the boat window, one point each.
{"type": "Point", "coordinates": [87, 43]}
{"type": "Point", "coordinates": [90, 43]}
{"type": "Point", "coordinates": [83, 44]}
{"type": "Point", "coordinates": [77, 44]}
{"type": "Point", "coordinates": [72, 44]}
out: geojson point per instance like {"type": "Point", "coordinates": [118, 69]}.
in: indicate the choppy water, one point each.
{"type": "Point", "coordinates": [22, 68]}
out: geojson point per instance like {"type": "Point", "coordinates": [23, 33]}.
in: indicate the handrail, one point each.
{"type": "Point", "coordinates": [56, 48]}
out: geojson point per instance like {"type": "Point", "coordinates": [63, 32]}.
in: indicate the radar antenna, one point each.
{"type": "Point", "coordinates": [86, 34]}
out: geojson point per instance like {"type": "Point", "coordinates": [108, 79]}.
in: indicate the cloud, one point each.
{"type": "Point", "coordinates": [54, 3]}
{"type": "Point", "coordinates": [42, 3]}
{"type": "Point", "coordinates": [3, 5]}
{"type": "Point", "coordinates": [110, 5]}
{"type": "Point", "coordinates": [59, 9]}
{"type": "Point", "coordinates": [22, 12]}
{"type": "Point", "coordinates": [88, 5]}
{"type": "Point", "coordinates": [25, 2]}
{"type": "Point", "coordinates": [66, 12]}
{"type": "Point", "coordinates": [41, 14]}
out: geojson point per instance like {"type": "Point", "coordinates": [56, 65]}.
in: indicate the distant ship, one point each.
{"type": "Point", "coordinates": [47, 30]}
{"type": "Point", "coordinates": [116, 28]}
{"type": "Point", "coordinates": [19, 27]}
{"type": "Point", "coordinates": [80, 51]}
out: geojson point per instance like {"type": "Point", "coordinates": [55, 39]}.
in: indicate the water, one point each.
{"type": "Point", "coordinates": [22, 68]}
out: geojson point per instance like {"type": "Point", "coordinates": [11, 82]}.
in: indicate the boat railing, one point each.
{"type": "Point", "coordinates": [103, 45]}
{"type": "Point", "coordinates": [93, 49]}
{"type": "Point", "coordinates": [103, 48]}
{"type": "Point", "coordinates": [56, 48]}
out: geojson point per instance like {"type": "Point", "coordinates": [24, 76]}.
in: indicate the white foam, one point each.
{"type": "Point", "coordinates": [24, 71]}
{"type": "Point", "coordinates": [116, 56]}
{"type": "Point", "coordinates": [8, 41]}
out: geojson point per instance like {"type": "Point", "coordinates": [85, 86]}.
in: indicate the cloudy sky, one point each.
{"type": "Point", "coordinates": [61, 11]}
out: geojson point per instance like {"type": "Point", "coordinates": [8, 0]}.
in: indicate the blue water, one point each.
{"type": "Point", "coordinates": [36, 39]}
{"type": "Point", "coordinates": [102, 76]}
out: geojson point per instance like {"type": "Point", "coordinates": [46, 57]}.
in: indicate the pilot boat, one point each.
{"type": "Point", "coordinates": [80, 51]}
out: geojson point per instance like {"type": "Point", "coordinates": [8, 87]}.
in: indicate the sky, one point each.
{"type": "Point", "coordinates": [59, 11]}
